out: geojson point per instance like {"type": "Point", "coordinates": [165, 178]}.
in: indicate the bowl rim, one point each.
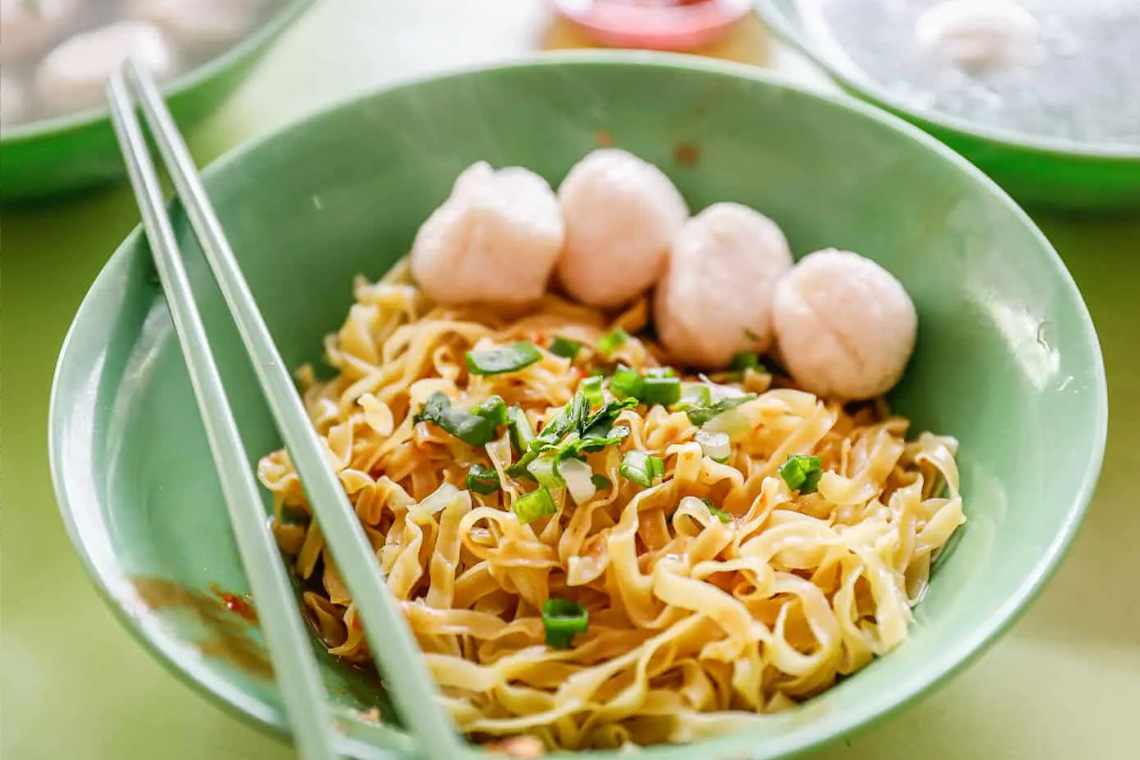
{"type": "Point", "coordinates": [106, 574]}
{"type": "Point", "coordinates": [278, 22]}
{"type": "Point", "coordinates": [873, 93]}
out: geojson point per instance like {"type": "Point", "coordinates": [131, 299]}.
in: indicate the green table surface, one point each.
{"type": "Point", "coordinates": [1065, 682]}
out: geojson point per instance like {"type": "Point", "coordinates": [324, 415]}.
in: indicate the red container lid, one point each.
{"type": "Point", "coordinates": [654, 24]}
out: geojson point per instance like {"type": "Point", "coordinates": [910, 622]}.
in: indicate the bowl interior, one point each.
{"type": "Point", "coordinates": [1007, 358]}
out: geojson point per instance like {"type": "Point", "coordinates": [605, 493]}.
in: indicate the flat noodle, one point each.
{"type": "Point", "coordinates": [696, 625]}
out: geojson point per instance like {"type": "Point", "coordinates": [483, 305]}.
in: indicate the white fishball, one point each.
{"type": "Point", "coordinates": [26, 28]}
{"type": "Point", "coordinates": [621, 214]}
{"type": "Point", "coordinates": [494, 240]}
{"type": "Point", "coordinates": [845, 326]}
{"type": "Point", "coordinates": [13, 100]}
{"type": "Point", "coordinates": [979, 34]}
{"type": "Point", "coordinates": [716, 298]}
{"type": "Point", "coordinates": [195, 23]}
{"type": "Point", "coordinates": [72, 76]}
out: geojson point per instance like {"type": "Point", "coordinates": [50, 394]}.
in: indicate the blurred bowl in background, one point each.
{"type": "Point", "coordinates": [1042, 171]}
{"type": "Point", "coordinates": [77, 150]}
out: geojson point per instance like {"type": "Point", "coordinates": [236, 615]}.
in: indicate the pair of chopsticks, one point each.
{"type": "Point", "coordinates": [390, 639]}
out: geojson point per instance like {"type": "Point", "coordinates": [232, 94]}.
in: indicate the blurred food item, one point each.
{"type": "Point", "coordinates": [73, 74]}
{"type": "Point", "coordinates": [978, 33]}
{"type": "Point", "coordinates": [13, 100]}
{"type": "Point", "coordinates": [199, 22]}
{"type": "Point", "coordinates": [27, 27]}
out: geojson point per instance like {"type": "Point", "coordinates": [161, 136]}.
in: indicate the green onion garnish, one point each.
{"type": "Point", "coordinates": [545, 471]}
{"type": "Point", "coordinates": [497, 361]}
{"type": "Point", "coordinates": [661, 390]}
{"type": "Point", "coordinates": [752, 335]}
{"type": "Point", "coordinates": [641, 468]}
{"type": "Point", "coordinates": [482, 479]}
{"type": "Point", "coordinates": [746, 360]}
{"type": "Point", "coordinates": [627, 383]}
{"type": "Point", "coordinates": [694, 395]}
{"type": "Point", "coordinates": [534, 505]}
{"type": "Point", "coordinates": [600, 481]}
{"type": "Point", "coordinates": [602, 434]}
{"type": "Point", "coordinates": [493, 409]}
{"type": "Point", "coordinates": [521, 432]}
{"type": "Point", "coordinates": [472, 429]}
{"type": "Point", "coordinates": [612, 341]}
{"type": "Point", "coordinates": [802, 473]}
{"type": "Point", "coordinates": [699, 415]}
{"type": "Point", "coordinates": [717, 512]}
{"type": "Point", "coordinates": [565, 347]}
{"type": "Point", "coordinates": [571, 431]}
{"type": "Point", "coordinates": [716, 446]}
{"type": "Point", "coordinates": [563, 619]}
{"type": "Point", "coordinates": [591, 387]}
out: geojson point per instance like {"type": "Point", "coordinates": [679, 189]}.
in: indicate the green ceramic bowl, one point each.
{"type": "Point", "coordinates": [78, 151]}
{"type": "Point", "coordinates": [1055, 173]}
{"type": "Point", "coordinates": [1007, 358]}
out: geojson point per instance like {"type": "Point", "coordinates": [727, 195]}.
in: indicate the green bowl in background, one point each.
{"type": "Point", "coordinates": [77, 151]}
{"type": "Point", "coordinates": [1040, 171]}
{"type": "Point", "coordinates": [1007, 358]}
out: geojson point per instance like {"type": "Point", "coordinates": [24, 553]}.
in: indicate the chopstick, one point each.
{"type": "Point", "coordinates": [293, 662]}
{"type": "Point", "coordinates": [390, 639]}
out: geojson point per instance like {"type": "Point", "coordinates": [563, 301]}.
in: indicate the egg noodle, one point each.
{"type": "Point", "coordinates": [714, 594]}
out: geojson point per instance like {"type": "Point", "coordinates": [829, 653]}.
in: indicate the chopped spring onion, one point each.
{"type": "Point", "coordinates": [572, 430]}
{"type": "Point", "coordinates": [641, 468]}
{"type": "Point", "coordinates": [565, 347]}
{"type": "Point", "coordinates": [661, 390]}
{"type": "Point", "coordinates": [497, 361]}
{"type": "Point", "coordinates": [602, 434]}
{"type": "Point", "coordinates": [545, 470]}
{"type": "Point", "coordinates": [568, 418]}
{"type": "Point", "coordinates": [607, 415]}
{"type": "Point", "coordinates": [720, 391]}
{"type": "Point", "coordinates": [482, 479]}
{"type": "Point", "coordinates": [579, 479]}
{"type": "Point", "coordinates": [563, 619]}
{"type": "Point", "coordinates": [533, 506]}
{"type": "Point", "coordinates": [694, 395]}
{"type": "Point", "coordinates": [493, 409]}
{"type": "Point", "coordinates": [627, 383]}
{"type": "Point", "coordinates": [600, 481]}
{"type": "Point", "coordinates": [802, 473]}
{"type": "Point", "coordinates": [752, 335]}
{"type": "Point", "coordinates": [699, 415]}
{"type": "Point", "coordinates": [521, 432]}
{"type": "Point", "coordinates": [746, 360]}
{"type": "Point", "coordinates": [591, 387]}
{"type": "Point", "coordinates": [612, 341]}
{"type": "Point", "coordinates": [735, 423]}
{"type": "Point", "coordinates": [660, 372]}
{"type": "Point", "coordinates": [470, 428]}
{"type": "Point", "coordinates": [717, 512]}
{"type": "Point", "coordinates": [715, 446]}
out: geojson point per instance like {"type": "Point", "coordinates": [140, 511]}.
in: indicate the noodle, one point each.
{"type": "Point", "coordinates": [696, 624]}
